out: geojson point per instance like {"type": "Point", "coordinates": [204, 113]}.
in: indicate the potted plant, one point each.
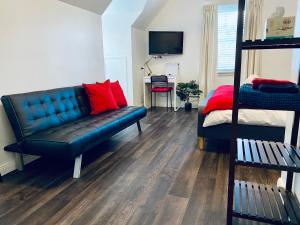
{"type": "Point", "coordinates": [185, 91]}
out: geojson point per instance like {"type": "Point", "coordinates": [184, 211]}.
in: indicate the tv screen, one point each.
{"type": "Point", "coordinates": [165, 43]}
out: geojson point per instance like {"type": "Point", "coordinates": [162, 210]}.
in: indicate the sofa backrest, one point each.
{"type": "Point", "coordinates": [32, 112]}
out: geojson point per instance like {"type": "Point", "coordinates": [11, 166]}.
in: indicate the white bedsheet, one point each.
{"type": "Point", "coordinates": [248, 117]}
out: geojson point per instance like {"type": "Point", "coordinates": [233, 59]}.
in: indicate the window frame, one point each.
{"type": "Point", "coordinates": [224, 72]}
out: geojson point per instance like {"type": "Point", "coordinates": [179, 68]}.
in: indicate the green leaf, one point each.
{"type": "Point", "coordinates": [185, 90]}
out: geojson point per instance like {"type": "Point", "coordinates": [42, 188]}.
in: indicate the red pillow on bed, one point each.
{"type": "Point", "coordinates": [258, 81]}
{"type": "Point", "coordinates": [101, 98]}
{"type": "Point", "coordinates": [222, 99]}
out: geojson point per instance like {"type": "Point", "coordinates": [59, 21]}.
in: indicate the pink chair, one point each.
{"type": "Point", "coordinates": [159, 84]}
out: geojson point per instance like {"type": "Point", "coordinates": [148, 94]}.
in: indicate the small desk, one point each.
{"type": "Point", "coordinates": [171, 80]}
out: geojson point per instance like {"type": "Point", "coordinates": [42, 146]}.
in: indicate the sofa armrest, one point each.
{"type": "Point", "coordinates": [15, 147]}
{"type": "Point", "coordinates": [201, 117]}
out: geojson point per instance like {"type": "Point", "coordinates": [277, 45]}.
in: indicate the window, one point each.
{"type": "Point", "coordinates": [226, 41]}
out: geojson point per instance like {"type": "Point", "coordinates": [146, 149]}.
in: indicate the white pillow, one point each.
{"type": "Point", "coordinates": [250, 79]}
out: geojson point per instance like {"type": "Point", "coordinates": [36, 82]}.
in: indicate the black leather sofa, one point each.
{"type": "Point", "coordinates": [56, 123]}
{"type": "Point", "coordinates": [223, 131]}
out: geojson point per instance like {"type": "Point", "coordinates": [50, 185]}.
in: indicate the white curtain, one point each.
{"type": "Point", "coordinates": [253, 30]}
{"type": "Point", "coordinates": [208, 48]}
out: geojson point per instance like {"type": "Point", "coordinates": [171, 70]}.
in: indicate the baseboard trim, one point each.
{"type": "Point", "coordinates": [7, 167]}
{"type": "Point", "coordinates": [11, 165]}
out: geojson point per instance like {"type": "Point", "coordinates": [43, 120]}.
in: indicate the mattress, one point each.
{"type": "Point", "coordinates": [247, 117]}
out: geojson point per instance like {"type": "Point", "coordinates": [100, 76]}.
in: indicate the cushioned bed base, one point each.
{"type": "Point", "coordinates": [223, 131]}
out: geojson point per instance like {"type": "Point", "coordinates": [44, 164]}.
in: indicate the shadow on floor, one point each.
{"type": "Point", "coordinates": [219, 146]}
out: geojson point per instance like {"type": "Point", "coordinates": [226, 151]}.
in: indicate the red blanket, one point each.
{"type": "Point", "coordinates": [258, 81]}
{"type": "Point", "coordinates": [222, 99]}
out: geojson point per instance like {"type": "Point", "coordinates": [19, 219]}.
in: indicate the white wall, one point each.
{"type": "Point", "coordinates": [294, 76]}
{"type": "Point", "coordinates": [124, 23]}
{"type": "Point", "coordinates": [45, 44]}
{"type": "Point", "coordinates": [177, 15]}
{"type": "Point", "coordinates": [277, 63]}
{"type": "Point", "coordinates": [151, 9]}
{"type": "Point", "coordinates": [140, 45]}
{"type": "Point", "coordinates": [117, 50]}
{"type": "Point", "coordinates": [117, 22]}
{"type": "Point", "coordinates": [139, 50]}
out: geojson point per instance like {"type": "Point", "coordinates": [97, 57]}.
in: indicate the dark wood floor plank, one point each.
{"type": "Point", "coordinates": [199, 201]}
{"type": "Point", "coordinates": [151, 208]}
{"type": "Point", "coordinates": [157, 177]}
{"type": "Point", "coordinates": [138, 195]}
{"type": "Point", "coordinates": [107, 200]}
{"type": "Point", "coordinates": [219, 198]}
{"type": "Point", "coordinates": [185, 180]}
{"type": "Point", "coordinates": [172, 211]}
{"type": "Point", "coordinates": [85, 180]}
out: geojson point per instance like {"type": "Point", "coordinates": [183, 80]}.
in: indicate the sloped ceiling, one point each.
{"type": "Point", "coordinates": [96, 6]}
{"type": "Point", "coordinates": [126, 7]}
{"type": "Point", "coordinates": [151, 10]}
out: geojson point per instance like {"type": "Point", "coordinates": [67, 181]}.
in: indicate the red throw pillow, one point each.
{"type": "Point", "coordinates": [258, 81]}
{"type": "Point", "coordinates": [222, 99]}
{"type": "Point", "coordinates": [117, 92]}
{"type": "Point", "coordinates": [101, 98]}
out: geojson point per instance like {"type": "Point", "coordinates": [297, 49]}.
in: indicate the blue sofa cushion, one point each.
{"type": "Point", "coordinates": [33, 112]}
{"type": "Point", "coordinates": [73, 138]}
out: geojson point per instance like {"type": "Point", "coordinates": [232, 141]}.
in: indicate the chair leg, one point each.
{"type": "Point", "coordinates": [151, 100]}
{"type": "Point", "coordinates": [77, 167]}
{"type": "Point", "coordinates": [171, 99]}
{"type": "Point", "coordinates": [139, 126]}
{"type": "Point", "coordinates": [167, 100]}
{"type": "Point", "coordinates": [155, 99]}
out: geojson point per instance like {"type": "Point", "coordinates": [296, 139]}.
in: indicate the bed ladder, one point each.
{"type": "Point", "coordinates": [248, 200]}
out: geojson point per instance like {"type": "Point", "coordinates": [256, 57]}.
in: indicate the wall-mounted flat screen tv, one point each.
{"type": "Point", "coordinates": [165, 43]}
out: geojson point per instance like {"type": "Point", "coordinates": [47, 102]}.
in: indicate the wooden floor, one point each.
{"type": "Point", "coordinates": [158, 177]}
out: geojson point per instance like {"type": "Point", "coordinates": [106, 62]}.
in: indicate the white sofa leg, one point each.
{"type": "Point", "coordinates": [77, 166]}
{"type": "Point", "coordinates": [19, 161]}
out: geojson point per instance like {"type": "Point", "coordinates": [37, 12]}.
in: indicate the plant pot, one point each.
{"type": "Point", "coordinates": [188, 106]}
